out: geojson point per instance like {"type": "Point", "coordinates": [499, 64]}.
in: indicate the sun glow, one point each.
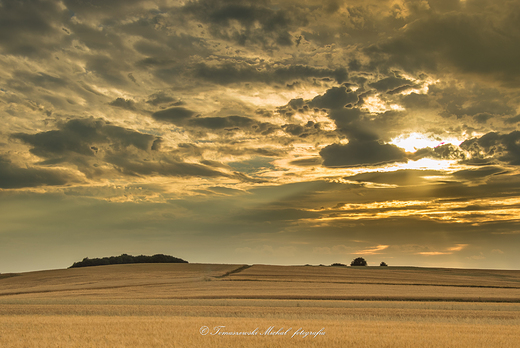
{"type": "Point", "coordinates": [414, 141]}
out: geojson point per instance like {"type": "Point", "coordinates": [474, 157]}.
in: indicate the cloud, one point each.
{"type": "Point", "coordinates": [458, 247]}
{"type": "Point", "coordinates": [112, 70]}
{"type": "Point", "coordinates": [372, 251]}
{"type": "Point", "coordinates": [444, 152]}
{"type": "Point", "coordinates": [514, 119]}
{"type": "Point", "coordinates": [80, 136]}
{"type": "Point", "coordinates": [238, 72]}
{"type": "Point", "coordinates": [88, 143]}
{"type": "Point", "coordinates": [222, 122]}
{"type": "Point", "coordinates": [176, 115]}
{"type": "Point", "coordinates": [159, 98]}
{"type": "Point", "coordinates": [124, 104]}
{"type": "Point", "coordinates": [307, 162]}
{"type": "Point", "coordinates": [398, 177]}
{"type": "Point", "coordinates": [478, 101]}
{"type": "Point", "coordinates": [470, 42]}
{"type": "Point", "coordinates": [495, 146]}
{"type": "Point", "coordinates": [247, 22]}
{"type": "Point", "coordinates": [472, 174]}
{"type": "Point", "coordinates": [390, 83]}
{"type": "Point", "coordinates": [432, 253]}
{"type": "Point", "coordinates": [13, 176]}
{"type": "Point", "coordinates": [292, 103]}
{"type": "Point", "coordinates": [334, 98]}
{"type": "Point", "coordinates": [448, 251]}
{"type": "Point", "coordinates": [477, 257]}
{"type": "Point", "coordinates": [24, 24]}
{"type": "Point", "coordinates": [165, 167]}
{"type": "Point", "coordinates": [191, 121]}
{"type": "Point", "coordinates": [361, 153]}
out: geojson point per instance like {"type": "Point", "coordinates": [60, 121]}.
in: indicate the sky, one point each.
{"type": "Point", "coordinates": [256, 131]}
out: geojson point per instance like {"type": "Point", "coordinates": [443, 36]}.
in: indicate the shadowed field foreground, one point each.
{"type": "Point", "coordinates": [169, 305]}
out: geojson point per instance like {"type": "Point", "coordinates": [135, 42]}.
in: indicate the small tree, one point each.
{"type": "Point", "coordinates": [383, 264]}
{"type": "Point", "coordinates": [358, 262]}
{"type": "Point", "coordinates": [337, 264]}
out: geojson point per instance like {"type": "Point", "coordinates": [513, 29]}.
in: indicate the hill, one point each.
{"type": "Point", "coordinates": [214, 281]}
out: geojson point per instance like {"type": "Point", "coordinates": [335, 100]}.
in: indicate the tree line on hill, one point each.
{"type": "Point", "coordinates": [359, 261]}
{"type": "Point", "coordinates": [125, 258]}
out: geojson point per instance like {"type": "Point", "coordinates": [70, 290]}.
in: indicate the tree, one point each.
{"type": "Point", "coordinates": [125, 258]}
{"type": "Point", "coordinates": [383, 264]}
{"type": "Point", "coordinates": [358, 262]}
{"type": "Point", "coordinates": [338, 265]}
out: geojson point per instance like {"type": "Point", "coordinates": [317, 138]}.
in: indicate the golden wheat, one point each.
{"type": "Point", "coordinates": [145, 331]}
{"type": "Point", "coordinates": [169, 305]}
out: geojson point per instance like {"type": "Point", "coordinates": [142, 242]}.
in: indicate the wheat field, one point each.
{"type": "Point", "coordinates": [190, 305]}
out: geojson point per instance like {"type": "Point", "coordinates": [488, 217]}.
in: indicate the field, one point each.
{"type": "Point", "coordinates": [183, 305]}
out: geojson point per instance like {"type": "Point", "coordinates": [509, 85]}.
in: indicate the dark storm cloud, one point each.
{"type": "Point", "coordinates": [81, 136]}
{"type": "Point", "coordinates": [186, 118]}
{"type": "Point", "coordinates": [27, 27]}
{"type": "Point", "coordinates": [361, 153]}
{"type": "Point", "coordinates": [473, 100]}
{"type": "Point", "coordinates": [12, 176]}
{"type": "Point", "coordinates": [87, 143]}
{"type": "Point", "coordinates": [495, 146]}
{"type": "Point", "coordinates": [258, 22]}
{"type": "Point", "coordinates": [484, 39]}
{"type": "Point", "coordinates": [345, 108]}
{"type": "Point", "coordinates": [356, 124]}
{"type": "Point", "coordinates": [334, 98]}
{"type": "Point", "coordinates": [228, 73]}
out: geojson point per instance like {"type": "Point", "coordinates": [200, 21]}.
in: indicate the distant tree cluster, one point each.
{"type": "Point", "coordinates": [359, 261]}
{"type": "Point", "coordinates": [125, 258]}
{"type": "Point", "coordinates": [338, 265]}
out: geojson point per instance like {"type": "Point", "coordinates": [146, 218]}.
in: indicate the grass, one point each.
{"type": "Point", "coordinates": [165, 305]}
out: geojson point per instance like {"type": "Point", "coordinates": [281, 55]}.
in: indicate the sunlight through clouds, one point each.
{"type": "Point", "coordinates": [247, 130]}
